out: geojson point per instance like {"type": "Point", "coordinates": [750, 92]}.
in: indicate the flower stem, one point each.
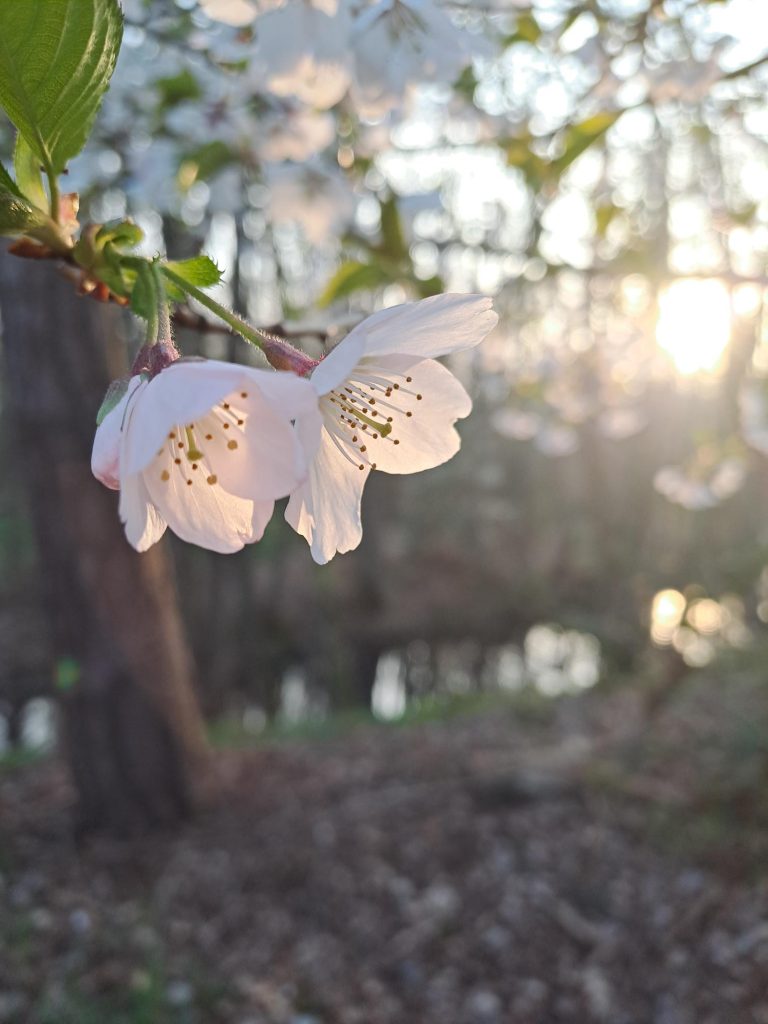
{"type": "Point", "coordinates": [53, 188]}
{"type": "Point", "coordinates": [251, 334]}
{"type": "Point", "coordinates": [163, 312]}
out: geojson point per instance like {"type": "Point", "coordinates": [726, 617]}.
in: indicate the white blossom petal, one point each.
{"type": "Point", "coordinates": [105, 457]}
{"type": "Point", "coordinates": [205, 514]}
{"type": "Point", "coordinates": [231, 12]}
{"type": "Point", "coordinates": [262, 461]}
{"type": "Point", "coordinates": [338, 364]}
{"type": "Point", "coordinates": [186, 391]}
{"type": "Point", "coordinates": [144, 525]}
{"type": "Point", "coordinates": [205, 448]}
{"type": "Point", "coordinates": [326, 509]}
{"type": "Point", "coordinates": [303, 52]}
{"type": "Point", "coordinates": [429, 328]}
{"type": "Point", "coordinates": [179, 395]}
{"type": "Point", "coordinates": [426, 400]}
{"type": "Point", "coordinates": [397, 45]}
{"type": "Point", "coordinates": [385, 405]}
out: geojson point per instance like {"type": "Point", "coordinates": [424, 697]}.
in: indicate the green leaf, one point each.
{"type": "Point", "coordinates": [394, 244]}
{"type": "Point", "coordinates": [144, 297]}
{"type": "Point", "coordinates": [203, 162]}
{"type": "Point", "coordinates": [178, 88]}
{"type": "Point", "coordinates": [520, 155]}
{"type": "Point", "coordinates": [580, 137]}
{"type": "Point", "coordinates": [56, 59]}
{"type": "Point", "coordinates": [67, 671]}
{"type": "Point", "coordinates": [466, 84]}
{"type": "Point", "coordinates": [17, 215]}
{"type": "Point", "coordinates": [8, 184]}
{"type": "Point", "coordinates": [120, 235]}
{"type": "Point", "coordinates": [604, 215]}
{"type": "Point", "coordinates": [429, 286]}
{"type": "Point", "coordinates": [527, 30]}
{"type": "Point", "coordinates": [28, 175]}
{"type": "Point", "coordinates": [113, 397]}
{"type": "Point", "coordinates": [353, 277]}
{"type": "Point", "coordinates": [199, 271]}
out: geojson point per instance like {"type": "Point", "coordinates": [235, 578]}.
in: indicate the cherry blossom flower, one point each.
{"type": "Point", "coordinates": [205, 448]}
{"type": "Point", "coordinates": [231, 12]}
{"type": "Point", "coordinates": [400, 42]}
{"type": "Point", "coordinates": [697, 489]}
{"type": "Point", "coordinates": [319, 201]}
{"type": "Point", "coordinates": [386, 404]}
{"type": "Point", "coordinates": [303, 51]}
{"type": "Point", "coordinates": [549, 436]}
{"type": "Point", "coordinates": [295, 134]}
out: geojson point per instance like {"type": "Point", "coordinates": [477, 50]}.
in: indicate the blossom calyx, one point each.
{"type": "Point", "coordinates": [283, 356]}
{"type": "Point", "coordinates": [151, 359]}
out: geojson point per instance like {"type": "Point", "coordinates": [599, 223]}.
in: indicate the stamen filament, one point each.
{"type": "Point", "coordinates": [377, 425]}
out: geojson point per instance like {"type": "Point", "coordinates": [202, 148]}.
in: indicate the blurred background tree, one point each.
{"type": "Point", "coordinates": [600, 167]}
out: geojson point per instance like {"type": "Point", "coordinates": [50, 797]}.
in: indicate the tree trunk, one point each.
{"type": "Point", "coordinates": [131, 724]}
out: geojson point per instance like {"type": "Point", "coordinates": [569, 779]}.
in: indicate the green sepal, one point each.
{"type": "Point", "coordinates": [113, 397]}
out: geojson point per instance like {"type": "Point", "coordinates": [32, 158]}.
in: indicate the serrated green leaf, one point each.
{"type": "Point", "coordinates": [113, 397]}
{"type": "Point", "coordinates": [144, 297]}
{"type": "Point", "coordinates": [17, 215]}
{"type": "Point", "coordinates": [28, 175]}
{"type": "Point", "coordinates": [199, 271]}
{"type": "Point", "coordinates": [56, 59]}
{"type": "Point", "coordinates": [353, 277]}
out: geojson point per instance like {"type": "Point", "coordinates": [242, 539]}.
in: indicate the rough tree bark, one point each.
{"type": "Point", "coordinates": [131, 724]}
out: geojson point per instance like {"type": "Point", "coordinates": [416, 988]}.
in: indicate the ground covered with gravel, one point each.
{"type": "Point", "coordinates": [478, 870]}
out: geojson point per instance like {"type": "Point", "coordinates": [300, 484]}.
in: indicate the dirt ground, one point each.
{"type": "Point", "coordinates": [468, 871]}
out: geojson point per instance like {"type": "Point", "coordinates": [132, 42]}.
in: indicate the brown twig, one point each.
{"type": "Point", "coordinates": [184, 317]}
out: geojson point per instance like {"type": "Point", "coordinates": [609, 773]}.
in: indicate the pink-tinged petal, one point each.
{"type": "Point", "coordinates": [202, 512]}
{"type": "Point", "coordinates": [288, 393]}
{"type": "Point", "coordinates": [261, 461]}
{"type": "Point", "coordinates": [429, 328]}
{"type": "Point", "coordinates": [178, 395]}
{"type": "Point", "coordinates": [309, 429]}
{"type": "Point", "coordinates": [326, 509]}
{"type": "Point", "coordinates": [105, 457]}
{"type": "Point", "coordinates": [186, 391]}
{"type": "Point", "coordinates": [334, 368]}
{"type": "Point", "coordinates": [421, 426]}
{"type": "Point", "coordinates": [296, 398]}
{"type": "Point", "coordinates": [144, 525]}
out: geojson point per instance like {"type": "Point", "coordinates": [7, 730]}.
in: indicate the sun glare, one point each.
{"type": "Point", "coordinates": [694, 325]}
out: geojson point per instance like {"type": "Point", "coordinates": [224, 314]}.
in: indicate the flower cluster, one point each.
{"type": "Point", "coordinates": [319, 50]}
{"type": "Point", "coordinates": [206, 447]}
